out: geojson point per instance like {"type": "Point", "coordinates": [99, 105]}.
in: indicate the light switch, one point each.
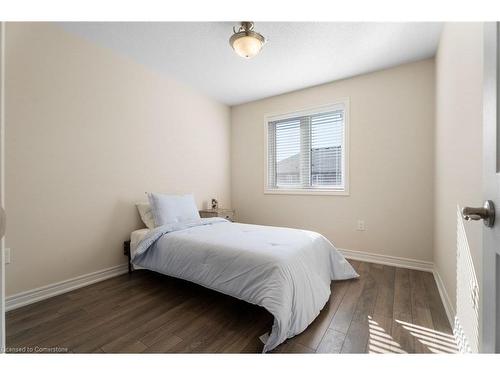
{"type": "Point", "coordinates": [361, 225]}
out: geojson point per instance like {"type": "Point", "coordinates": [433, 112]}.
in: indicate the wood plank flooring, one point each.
{"type": "Point", "coordinates": [386, 310]}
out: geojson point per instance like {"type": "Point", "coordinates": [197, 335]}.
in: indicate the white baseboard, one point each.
{"type": "Point", "coordinates": [34, 295]}
{"type": "Point", "coordinates": [413, 264]}
{"type": "Point", "coordinates": [445, 298]}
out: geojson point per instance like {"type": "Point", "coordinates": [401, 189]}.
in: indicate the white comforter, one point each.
{"type": "Point", "coordinates": [287, 271]}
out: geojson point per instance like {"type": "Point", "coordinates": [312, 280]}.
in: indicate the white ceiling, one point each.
{"type": "Point", "coordinates": [298, 55]}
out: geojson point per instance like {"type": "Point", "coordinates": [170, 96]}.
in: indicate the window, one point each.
{"type": "Point", "coordinates": [307, 151]}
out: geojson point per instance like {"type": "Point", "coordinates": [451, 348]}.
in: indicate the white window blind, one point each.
{"type": "Point", "coordinates": [306, 151]}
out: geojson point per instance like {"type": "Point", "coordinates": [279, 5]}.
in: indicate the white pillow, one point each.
{"type": "Point", "coordinates": [146, 213]}
{"type": "Point", "coordinates": [169, 209]}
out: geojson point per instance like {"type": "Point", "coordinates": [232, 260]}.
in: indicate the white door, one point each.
{"type": "Point", "coordinates": [490, 305]}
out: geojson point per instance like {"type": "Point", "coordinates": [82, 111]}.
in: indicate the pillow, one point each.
{"type": "Point", "coordinates": [169, 209]}
{"type": "Point", "coordinates": [146, 213]}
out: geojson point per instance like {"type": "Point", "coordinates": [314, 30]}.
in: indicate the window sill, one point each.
{"type": "Point", "coordinates": [306, 192]}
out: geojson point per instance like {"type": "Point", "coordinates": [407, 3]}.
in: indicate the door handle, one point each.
{"type": "Point", "coordinates": [486, 213]}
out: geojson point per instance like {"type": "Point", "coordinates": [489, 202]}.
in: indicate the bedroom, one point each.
{"type": "Point", "coordinates": [249, 187]}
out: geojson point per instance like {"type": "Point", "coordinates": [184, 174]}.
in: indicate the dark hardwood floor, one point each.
{"type": "Point", "coordinates": [386, 310]}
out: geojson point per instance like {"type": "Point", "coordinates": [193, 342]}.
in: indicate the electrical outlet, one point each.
{"type": "Point", "coordinates": [7, 255]}
{"type": "Point", "coordinates": [361, 225]}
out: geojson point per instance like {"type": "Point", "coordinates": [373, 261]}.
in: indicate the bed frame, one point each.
{"type": "Point", "coordinates": [126, 252]}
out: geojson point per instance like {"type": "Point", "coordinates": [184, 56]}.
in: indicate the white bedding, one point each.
{"type": "Point", "coordinates": [287, 271]}
{"type": "Point", "coordinates": [135, 237]}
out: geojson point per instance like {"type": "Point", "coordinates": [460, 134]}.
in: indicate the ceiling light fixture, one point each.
{"type": "Point", "coordinates": [246, 42]}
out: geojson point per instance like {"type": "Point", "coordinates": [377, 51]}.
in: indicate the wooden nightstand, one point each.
{"type": "Point", "coordinates": [220, 212]}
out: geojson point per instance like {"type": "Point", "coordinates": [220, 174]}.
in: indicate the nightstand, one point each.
{"type": "Point", "coordinates": [219, 212]}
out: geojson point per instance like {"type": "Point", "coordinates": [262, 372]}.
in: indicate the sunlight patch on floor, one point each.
{"type": "Point", "coordinates": [435, 341]}
{"type": "Point", "coordinates": [382, 342]}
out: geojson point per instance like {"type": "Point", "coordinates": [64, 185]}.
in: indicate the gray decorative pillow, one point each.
{"type": "Point", "coordinates": [146, 213]}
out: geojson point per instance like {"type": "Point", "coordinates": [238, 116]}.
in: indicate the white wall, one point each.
{"type": "Point", "coordinates": [87, 133]}
{"type": "Point", "coordinates": [391, 164]}
{"type": "Point", "coordinates": [458, 177]}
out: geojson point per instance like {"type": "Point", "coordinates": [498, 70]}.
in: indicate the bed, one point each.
{"type": "Point", "coordinates": [286, 271]}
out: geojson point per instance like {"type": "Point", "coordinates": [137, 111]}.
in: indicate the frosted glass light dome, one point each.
{"type": "Point", "coordinates": [246, 42]}
{"type": "Point", "coordinates": [247, 46]}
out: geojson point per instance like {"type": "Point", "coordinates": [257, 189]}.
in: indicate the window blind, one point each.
{"type": "Point", "coordinates": [307, 151]}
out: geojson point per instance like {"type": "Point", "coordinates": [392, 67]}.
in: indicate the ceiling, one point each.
{"type": "Point", "coordinates": [298, 54]}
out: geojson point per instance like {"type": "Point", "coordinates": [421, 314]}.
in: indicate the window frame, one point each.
{"type": "Point", "coordinates": [340, 103]}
